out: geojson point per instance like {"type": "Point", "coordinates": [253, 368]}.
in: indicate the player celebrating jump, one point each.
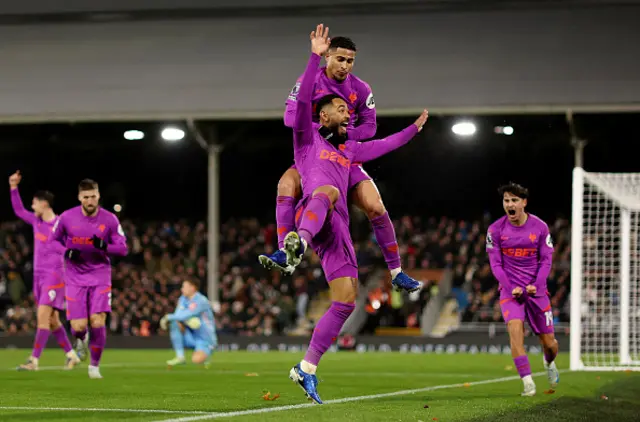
{"type": "Point", "coordinates": [90, 234]}
{"type": "Point", "coordinates": [323, 157]}
{"type": "Point", "coordinates": [336, 78]}
{"type": "Point", "coordinates": [520, 251]}
{"type": "Point", "coordinates": [48, 284]}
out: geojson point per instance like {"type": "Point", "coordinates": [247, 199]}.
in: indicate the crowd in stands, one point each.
{"type": "Point", "coordinates": [252, 301]}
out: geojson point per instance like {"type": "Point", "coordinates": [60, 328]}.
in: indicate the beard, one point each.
{"type": "Point", "coordinates": [89, 210]}
{"type": "Point", "coordinates": [332, 135]}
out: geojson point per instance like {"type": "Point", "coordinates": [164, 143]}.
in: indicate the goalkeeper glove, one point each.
{"type": "Point", "coordinates": [99, 243]}
{"type": "Point", "coordinates": [72, 254]}
{"type": "Point", "coordinates": [164, 322]}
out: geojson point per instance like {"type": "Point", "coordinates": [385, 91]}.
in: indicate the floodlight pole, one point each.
{"type": "Point", "coordinates": [213, 148]}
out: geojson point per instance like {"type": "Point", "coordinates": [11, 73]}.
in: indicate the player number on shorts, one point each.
{"type": "Point", "coordinates": [549, 316]}
{"type": "Point", "coordinates": [110, 301]}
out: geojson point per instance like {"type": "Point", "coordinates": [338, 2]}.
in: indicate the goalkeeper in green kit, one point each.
{"type": "Point", "coordinates": [191, 326]}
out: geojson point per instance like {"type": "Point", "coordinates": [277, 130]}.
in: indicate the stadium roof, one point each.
{"type": "Point", "coordinates": [29, 11]}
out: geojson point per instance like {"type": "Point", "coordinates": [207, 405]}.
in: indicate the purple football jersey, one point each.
{"type": "Point", "coordinates": [354, 91]}
{"type": "Point", "coordinates": [520, 255]}
{"type": "Point", "coordinates": [75, 231]}
{"type": "Point", "coordinates": [47, 254]}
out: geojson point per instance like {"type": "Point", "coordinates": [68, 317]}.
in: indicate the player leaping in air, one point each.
{"type": "Point", "coordinates": [48, 283]}
{"type": "Point", "coordinates": [324, 156]}
{"type": "Point", "coordinates": [520, 252]}
{"type": "Point", "coordinates": [90, 234]}
{"type": "Point", "coordinates": [191, 326]}
{"type": "Point", "coordinates": [336, 78]}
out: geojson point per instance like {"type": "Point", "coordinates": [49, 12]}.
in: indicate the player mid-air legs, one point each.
{"type": "Point", "coordinates": [90, 234]}
{"type": "Point", "coordinates": [336, 78]}
{"type": "Point", "coordinates": [191, 326]}
{"type": "Point", "coordinates": [48, 284]}
{"type": "Point", "coordinates": [520, 251]}
{"type": "Point", "coordinates": [324, 157]}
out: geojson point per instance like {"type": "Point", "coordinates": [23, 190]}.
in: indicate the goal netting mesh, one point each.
{"type": "Point", "coordinates": [605, 271]}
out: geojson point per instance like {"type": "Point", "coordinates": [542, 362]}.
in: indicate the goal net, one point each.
{"type": "Point", "coordinates": [605, 271]}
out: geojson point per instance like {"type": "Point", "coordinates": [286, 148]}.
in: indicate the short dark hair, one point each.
{"type": "Point", "coordinates": [514, 189]}
{"type": "Point", "coordinates": [325, 101]}
{"type": "Point", "coordinates": [87, 184]}
{"type": "Point", "coordinates": [194, 282]}
{"type": "Point", "coordinates": [44, 195]}
{"type": "Point", "coordinates": [342, 42]}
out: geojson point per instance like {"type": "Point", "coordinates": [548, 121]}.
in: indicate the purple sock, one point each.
{"type": "Point", "coordinates": [79, 334]}
{"type": "Point", "coordinates": [97, 341]}
{"type": "Point", "coordinates": [313, 216]}
{"type": "Point", "coordinates": [42, 335]}
{"type": "Point", "coordinates": [285, 215]}
{"type": "Point", "coordinates": [386, 237]}
{"type": "Point", "coordinates": [327, 329]}
{"type": "Point", "coordinates": [522, 364]}
{"type": "Point", "coordinates": [549, 355]}
{"type": "Point", "coordinates": [61, 337]}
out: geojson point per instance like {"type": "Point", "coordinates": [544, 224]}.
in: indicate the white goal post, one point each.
{"type": "Point", "coordinates": [605, 271]}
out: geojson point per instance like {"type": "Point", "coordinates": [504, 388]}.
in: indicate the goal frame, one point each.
{"type": "Point", "coordinates": [576, 363]}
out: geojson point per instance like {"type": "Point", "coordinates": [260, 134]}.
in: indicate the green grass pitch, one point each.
{"type": "Point", "coordinates": [137, 386]}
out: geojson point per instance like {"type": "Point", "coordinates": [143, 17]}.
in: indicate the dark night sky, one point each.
{"type": "Point", "coordinates": [436, 174]}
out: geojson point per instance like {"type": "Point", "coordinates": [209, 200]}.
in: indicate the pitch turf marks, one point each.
{"type": "Point", "coordinates": [344, 400]}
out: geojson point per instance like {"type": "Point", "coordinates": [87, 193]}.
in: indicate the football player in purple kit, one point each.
{"type": "Point", "coordinates": [520, 251]}
{"type": "Point", "coordinates": [48, 283]}
{"type": "Point", "coordinates": [336, 78]}
{"type": "Point", "coordinates": [324, 155]}
{"type": "Point", "coordinates": [90, 234]}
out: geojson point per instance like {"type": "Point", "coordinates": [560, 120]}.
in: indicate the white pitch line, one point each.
{"type": "Point", "coordinates": [103, 365]}
{"type": "Point", "coordinates": [344, 400]}
{"type": "Point", "coordinates": [91, 409]}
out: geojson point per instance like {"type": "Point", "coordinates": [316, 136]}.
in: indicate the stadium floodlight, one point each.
{"type": "Point", "coordinates": [464, 129]}
{"type": "Point", "coordinates": [172, 134]}
{"type": "Point", "coordinates": [503, 130]}
{"type": "Point", "coordinates": [133, 135]}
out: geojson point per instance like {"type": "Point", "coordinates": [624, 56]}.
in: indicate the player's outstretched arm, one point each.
{"type": "Point", "coordinates": [495, 260]}
{"type": "Point", "coordinates": [545, 259]}
{"type": "Point", "coordinates": [367, 151]}
{"type": "Point", "coordinates": [303, 124]}
{"type": "Point", "coordinates": [117, 240]}
{"type": "Point", "coordinates": [16, 202]}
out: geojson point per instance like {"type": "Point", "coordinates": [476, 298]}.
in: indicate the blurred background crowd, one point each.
{"type": "Point", "coordinates": [252, 301]}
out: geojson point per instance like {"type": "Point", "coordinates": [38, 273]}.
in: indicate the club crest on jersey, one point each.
{"type": "Point", "coordinates": [193, 306]}
{"type": "Point", "coordinates": [532, 237]}
{"type": "Point", "coordinates": [371, 103]}
{"type": "Point", "coordinates": [489, 241]}
{"type": "Point", "coordinates": [353, 97]}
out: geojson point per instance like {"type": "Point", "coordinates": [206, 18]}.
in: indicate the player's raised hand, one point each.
{"type": "Point", "coordinates": [320, 40]}
{"type": "Point", "coordinates": [531, 290]}
{"type": "Point", "coordinates": [14, 179]}
{"type": "Point", "coordinates": [517, 292]}
{"type": "Point", "coordinates": [422, 120]}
